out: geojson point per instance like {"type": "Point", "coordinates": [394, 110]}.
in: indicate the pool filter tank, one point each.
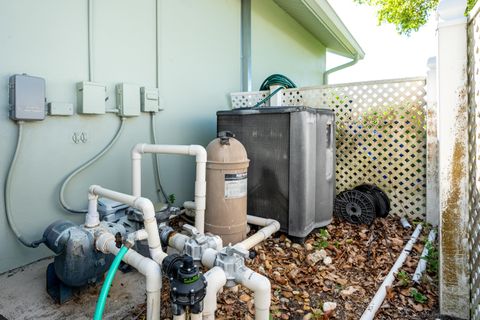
{"type": "Point", "coordinates": [226, 208]}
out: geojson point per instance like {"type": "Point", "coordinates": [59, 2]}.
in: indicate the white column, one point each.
{"type": "Point", "coordinates": [453, 158]}
{"type": "Point", "coordinates": [433, 213]}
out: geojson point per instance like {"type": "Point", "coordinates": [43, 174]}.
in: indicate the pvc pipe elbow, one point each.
{"type": "Point", "coordinates": [137, 151]}
{"type": "Point", "coordinates": [199, 152]}
{"type": "Point", "coordinates": [261, 287]}
{"type": "Point", "coordinates": [146, 206]}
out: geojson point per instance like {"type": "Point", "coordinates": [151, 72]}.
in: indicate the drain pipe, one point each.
{"type": "Point", "coordinates": [377, 300]}
{"type": "Point", "coordinates": [422, 263]}
{"type": "Point", "coordinates": [270, 226]}
{"type": "Point", "coordinates": [105, 243]}
{"type": "Point", "coordinates": [216, 280]}
{"type": "Point", "coordinates": [338, 68]}
{"type": "Point", "coordinates": [142, 204]}
{"type": "Point", "coordinates": [200, 180]}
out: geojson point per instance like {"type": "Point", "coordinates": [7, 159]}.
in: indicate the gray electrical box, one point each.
{"type": "Point", "coordinates": [149, 99]}
{"type": "Point", "coordinates": [91, 97]}
{"type": "Point", "coordinates": [128, 99]}
{"type": "Point", "coordinates": [26, 97]}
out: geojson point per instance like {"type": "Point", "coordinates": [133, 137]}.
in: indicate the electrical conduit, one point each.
{"type": "Point", "coordinates": [200, 181]}
{"type": "Point", "coordinates": [84, 166]}
{"type": "Point", "coordinates": [7, 196]}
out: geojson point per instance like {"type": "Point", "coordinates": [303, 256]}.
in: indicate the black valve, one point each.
{"type": "Point", "coordinates": [225, 137]}
{"type": "Point", "coordinates": [187, 284]}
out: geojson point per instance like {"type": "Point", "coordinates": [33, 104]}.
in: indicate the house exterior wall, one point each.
{"type": "Point", "coordinates": [281, 45]}
{"type": "Point", "coordinates": [199, 65]}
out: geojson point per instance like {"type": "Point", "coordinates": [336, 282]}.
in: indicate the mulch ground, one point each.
{"type": "Point", "coordinates": [361, 256]}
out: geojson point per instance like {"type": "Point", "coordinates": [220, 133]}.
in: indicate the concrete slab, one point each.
{"type": "Point", "coordinates": [23, 296]}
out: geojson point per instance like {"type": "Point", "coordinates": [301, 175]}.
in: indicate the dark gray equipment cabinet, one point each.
{"type": "Point", "coordinates": [291, 177]}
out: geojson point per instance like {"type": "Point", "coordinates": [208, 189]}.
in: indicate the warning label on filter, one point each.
{"type": "Point", "coordinates": [235, 185]}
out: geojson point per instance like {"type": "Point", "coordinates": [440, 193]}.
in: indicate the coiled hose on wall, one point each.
{"type": "Point", "coordinates": [85, 166]}
{"type": "Point", "coordinates": [7, 193]}
{"type": "Point", "coordinates": [274, 80]}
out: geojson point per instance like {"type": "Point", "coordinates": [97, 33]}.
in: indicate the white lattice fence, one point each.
{"type": "Point", "coordinates": [381, 137]}
{"type": "Point", "coordinates": [474, 183]}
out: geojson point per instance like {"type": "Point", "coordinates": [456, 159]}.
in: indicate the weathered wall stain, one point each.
{"type": "Point", "coordinates": [454, 214]}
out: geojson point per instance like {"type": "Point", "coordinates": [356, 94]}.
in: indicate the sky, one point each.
{"type": "Point", "coordinates": [388, 55]}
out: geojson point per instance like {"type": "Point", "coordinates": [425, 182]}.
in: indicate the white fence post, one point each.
{"type": "Point", "coordinates": [453, 158]}
{"type": "Point", "coordinates": [433, 213]}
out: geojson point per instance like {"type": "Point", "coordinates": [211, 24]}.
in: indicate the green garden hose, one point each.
{"type": "Point", "coordinates": [274, 80]}
{"type": "Point", "coordinates": [102, 298]}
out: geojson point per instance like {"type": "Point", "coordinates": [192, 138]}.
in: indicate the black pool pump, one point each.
{"type": "Point", "coordinates": [188, 286]}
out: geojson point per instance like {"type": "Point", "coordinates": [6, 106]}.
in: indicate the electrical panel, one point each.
{"type": "Point", "coordinates": [60, 109]}
{"type": "Point", "coordinates": [26, 97]}
{"type": "Point", "coordinates": [128, 99]}
{"type": "Point", "coordinates": [91, 97]}
{"type": "Point", "coordinates": [149, 99]}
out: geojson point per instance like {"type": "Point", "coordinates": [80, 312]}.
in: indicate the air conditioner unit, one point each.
{"type": "Point", "coordinates": [291, 177]}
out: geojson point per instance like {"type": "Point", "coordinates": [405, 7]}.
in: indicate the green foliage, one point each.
{"type": "Point", "coordinates": [403, 277]}
{"type": "Point", "coordinates": [418, 296]}
{"type": "Point", "coordinates": [407, 15]}
{"type": "Point", "coordinates": [431, 258]}
{"type": "Point", "coordinates": [322, 241]}
{"type": "Point", "coordinates": [171, 199]}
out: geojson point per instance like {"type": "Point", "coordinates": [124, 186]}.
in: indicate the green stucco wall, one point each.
{"type": "Point", "coordinates": [281, 45]}
{"type": "Point", "coordinates": [199, 66]}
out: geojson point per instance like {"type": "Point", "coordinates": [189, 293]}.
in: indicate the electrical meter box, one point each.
{"type": "Point", "coordinates": [26, 97]}
{"type": "Point", "coordinates": [91, 97]}
{"type": "Point", "coordinates": [128, 99]}
{"type": "Point", "coordinates": [149, 99]}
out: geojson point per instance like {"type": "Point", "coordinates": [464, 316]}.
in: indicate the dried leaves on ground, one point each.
{"type": "Point", "coordinates": [333, 275]}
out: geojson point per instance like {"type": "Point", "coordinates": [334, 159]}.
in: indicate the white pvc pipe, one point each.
{"type": "Point", "coordinates": [196, 316]}
{"type": "Point", "coordinates": [200, 181]}
{"type": "Point", "coordinates": [377, 300]}
{"type": "Point", "coordinates": [261, 288]}
{"type": "Point", "coordinates": [422, 263]}
{"type": "Point", "coordinates": [208, 258]}
{"type": "Point", "coordinates": [148, 211]}
{"type": "Point", "coordinates": [405, 223]}
{"type": "Point", "coordinates": [138, 235]}
{"type": "Point", "coordinates": [216, 279]}
{"type": "Point", "coordinates": [146, 266]}
{"type": "Point", "coordinates": [177, 241]}
{"type": "Point", "coordinates": [270, 226]}
{"type": "Point", "coordinates": [92, 218]}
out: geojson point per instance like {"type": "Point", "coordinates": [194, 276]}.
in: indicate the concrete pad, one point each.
{"type": "Point", "coordinates": [23, 296]}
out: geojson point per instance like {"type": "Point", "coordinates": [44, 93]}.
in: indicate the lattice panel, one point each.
{"type": "Point", "coordinates": [474, 153]}
{"type": "Point", "coordinates": [381, 136]}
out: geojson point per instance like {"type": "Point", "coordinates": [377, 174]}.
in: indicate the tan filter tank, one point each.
{"type": "Point", "coordinates": [227, 167]}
